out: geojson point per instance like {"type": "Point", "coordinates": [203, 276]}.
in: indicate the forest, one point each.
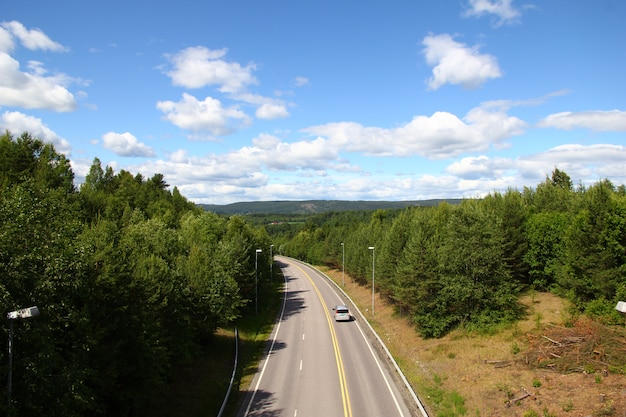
{"type": "Point", "coordinates": [130, 279]}
{"type": "Point", "coordinates": [465, 265]}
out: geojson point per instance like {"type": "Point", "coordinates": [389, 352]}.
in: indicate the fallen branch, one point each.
{"type": "Point", "coordinates": [553, 341]}
{"type": "Point", "coordinates": [526, 394]}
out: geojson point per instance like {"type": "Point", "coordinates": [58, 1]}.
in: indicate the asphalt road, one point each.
{"type": "Point", "coordinates": [317, 367]}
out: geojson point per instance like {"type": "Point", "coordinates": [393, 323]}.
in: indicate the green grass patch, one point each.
{"type": "Point", "coordinates": [445, 403]}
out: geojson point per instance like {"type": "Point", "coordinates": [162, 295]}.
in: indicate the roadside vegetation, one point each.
{"type": "Point", "coordinates": [551, 362]}
{"type": "Point", "coordinates": [139, 289]}
{"type": "Point", "coordinates": [465, 266]}
{"type": "Point", "coordinates": [131, 279]}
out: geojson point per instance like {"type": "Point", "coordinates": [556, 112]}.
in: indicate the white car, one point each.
{"type": "Point", "coordinates": [342, 313]}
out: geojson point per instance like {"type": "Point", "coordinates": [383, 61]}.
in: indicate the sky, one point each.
{"type": "Point", "coordinates": [250, 100]}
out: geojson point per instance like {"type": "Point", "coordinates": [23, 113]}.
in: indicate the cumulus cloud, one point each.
{"type": "Point", "coordinates": [17, 123]}
{"type": "Point", "coordinates": [207, 115]}
{"type": "Point", "coordinates": [455, 63]}
{"type": "Point", "coordinates": [439, 136]}
{"type": "Point", "coordinates": [601, 121]}
{"type": "Point", "coordinates": [271, 111]}
{"type": "Point", "coordinates": [32, 89]}
{"type": "Point", "coordinates": [32, 39]}
{"type": "Point", "coordinates": [6, 40]}
{"type": "Point", "coordinates": [125, 144]}
{"type": "Point", "coordinates": [502, 10]}
{"type": "Point", "coordinates": [238, 175]}
{"type": "Point", "coordinates": [480, 167]}
{"type": "Point", "coordinates": [197, 67]}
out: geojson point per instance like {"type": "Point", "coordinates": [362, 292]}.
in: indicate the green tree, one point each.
{"type": "Point", "coordinates": [595, 255]}
{"type": "Point", "coordinates": [513, 211]}
{"type": "Point", "coordinates": [476, 287]}
{"type": "Point", "coordinates": [30, 159]}
{"type": "Point", "coordinates": [545, 236]}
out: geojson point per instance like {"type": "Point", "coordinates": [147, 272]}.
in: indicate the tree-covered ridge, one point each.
{"type": "Point", "coordinates": [129, 277]}
{"type": "Point", "coordinates": [466, 264]}
{"type": "Point", "coordinates": [309, 207]}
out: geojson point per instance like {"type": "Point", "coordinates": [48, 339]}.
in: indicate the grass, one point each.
{"type": "Point", "coordinates": [468, 374]}
{"type": "Point", "coordinates": [461, 374]}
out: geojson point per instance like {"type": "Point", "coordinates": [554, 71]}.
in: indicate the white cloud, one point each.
{"type": "Point", "coordinates": [32, 39]}
{"type": "Point", "coordinates": [32, 89]}
{"type": "Point", "coordinates": [197, 67]}
{"type": "Point", "coordinates": [125, 144]}
{"type": "Point", "coordinates": [239, 176]}
{"type": "Point", "coordinates": [601, 121]}
{"type": "Point", "coordinates": [271, 111]}
{"type": "Point", "coordinates": [301, 81]}
{"type": "Point", "coordinates": [480, 167]}
{"type": "Point", "coordinates": [456, 63]}
{"type": "Point", "coordinates": [6, 41]}
{"type": "Point", "coordinates": [207, 115]}
{"type": "Point", "coordinates": [502, 10]}
{"type": "Point", "coordinates": [442, 135]}
{"type": "Point", "coordinates": [17, 123]}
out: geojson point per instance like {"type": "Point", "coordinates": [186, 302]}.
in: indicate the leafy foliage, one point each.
{"type": "Point", "coordinates": [464, 265]}
{"type": "Point", "coordinates": [129, 277]}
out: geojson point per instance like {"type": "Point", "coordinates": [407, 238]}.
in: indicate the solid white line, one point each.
{"type": "Point", "coordinates": [380, 368]}
{"type": "Point", "coordinates": [267, 358]}
{"type": "Point", "coordinates": [369, 346]}
{"type": "Point", "coordinates": [406, 383]}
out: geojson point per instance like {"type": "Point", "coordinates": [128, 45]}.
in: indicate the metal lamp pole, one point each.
{"type": "Point", "coordinates": [256, 282]}
{"type": "Point", "coordinates": [24, 313]}
{"type": "Point", "coordinates": [372, 248]}
{"type": "Point", "coordinates": [271, 263]}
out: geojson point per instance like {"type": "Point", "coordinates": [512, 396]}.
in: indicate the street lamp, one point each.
{"type": "Point", "coordinates": [373, 257]}
{"type": "Point", "coordinates": [343, 264]}
{"type": "Point", "coordinates": [24, 313]}
{"type": "Point", "coordinates": [256, 281]}
{"type": "Point", "coordinates": [271, 263]}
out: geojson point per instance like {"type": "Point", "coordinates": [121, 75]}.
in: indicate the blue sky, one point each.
{"type": "Point", "coordinates": [353, 100]}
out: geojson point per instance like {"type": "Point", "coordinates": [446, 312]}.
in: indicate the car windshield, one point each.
{"type": "Point", "coordinates": [342, 310]}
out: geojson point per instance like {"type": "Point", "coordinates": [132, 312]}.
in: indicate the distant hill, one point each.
{"type": "Point", "coordinates": [314, 206]}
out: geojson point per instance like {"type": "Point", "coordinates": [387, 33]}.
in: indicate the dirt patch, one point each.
{"type": "Point", "coordinates": [539, 367]}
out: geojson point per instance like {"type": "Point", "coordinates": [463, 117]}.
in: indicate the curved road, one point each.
{"type": "Point", "coordinates": [315, 366]}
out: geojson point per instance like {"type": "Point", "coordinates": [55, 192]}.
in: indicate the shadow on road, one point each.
{"type": "Point", "coordinates": [263, 403]}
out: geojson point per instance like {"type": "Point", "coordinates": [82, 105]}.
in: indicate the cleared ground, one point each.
{"type": "Point", "coordinates": [540, 367]}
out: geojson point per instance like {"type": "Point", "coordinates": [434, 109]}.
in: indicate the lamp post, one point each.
{"type": "Point", "coordinates": [343, 264]}
{"type": "Point", "coordinates": [271, 263]}
{"type": "Point", "coordinates": [24, 313]}
{"type": "Point", "coordinates": [256, 281]}
{"type": "Point", "coordinates": [373, 257]}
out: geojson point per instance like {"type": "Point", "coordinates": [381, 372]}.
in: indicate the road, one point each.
{"type": "Point", "coordinates": [315, 366]}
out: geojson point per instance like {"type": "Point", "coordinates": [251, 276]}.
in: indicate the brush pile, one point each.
{"type": "Point", "coordinates": [586, 347]}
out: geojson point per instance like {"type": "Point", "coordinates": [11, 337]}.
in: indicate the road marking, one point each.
{"type": "Point", "coordinates": [269, 352]}
{"type": "Point", "coordinates": [374, 356]}
{"type": "Point", "coordinates": [300, 364]}
{"type": "Point", "coordinates": [345, 397]}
